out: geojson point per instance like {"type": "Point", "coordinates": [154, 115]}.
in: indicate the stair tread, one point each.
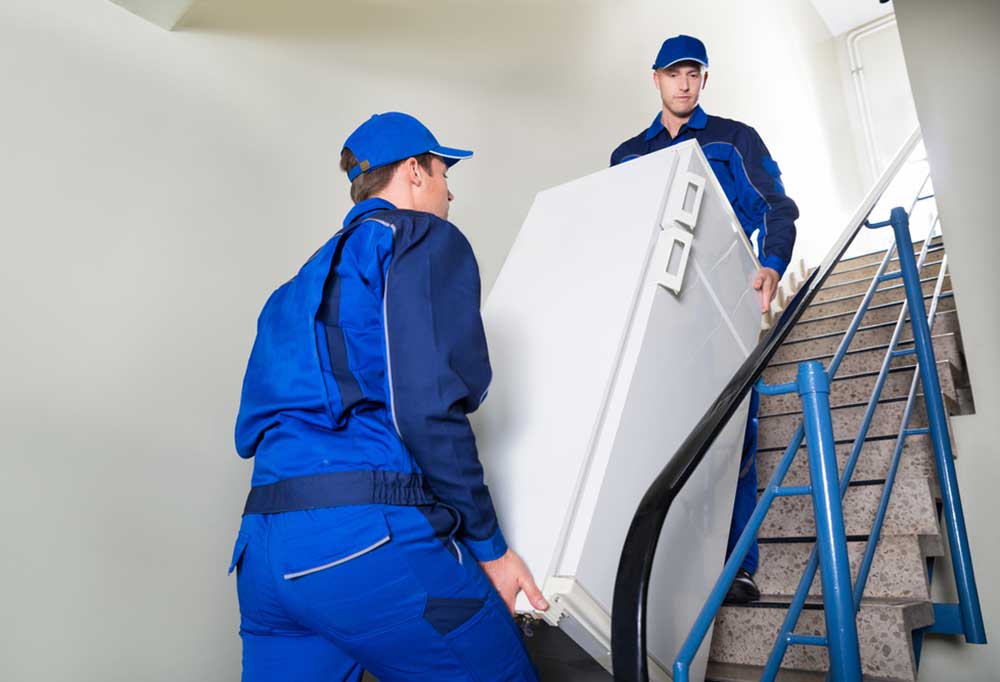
{"type": "Point", "coordinates": [745, 635]}
{"type": "Point", "coordinates": [887, 419]}
{"type": "Point", "coordinates": [869, 335]}
{"type": "Point", "coordinates": [734, 672]}
{"type": "Point", "coordinates": [912, 511]}
{"type": "Point", "coordinates": [899, 570]}
{"type": "Point", "coordinates": [868, 270]}
{"type": "Point", "coordinates": [890, 304]}
{"type": "Point", "coordinates": [902, 345]}
{"type": "Point", "coordinates": [862, 328]}
{"type": "Point", "coordinates": [848, 406]}
{"type": "Point", "coordinates": [825, 287]}
{"type": "Point", "coordinates": [779, 601]}
{"type": "Point", "coordinates": [839, 321]}
{"type": "Point", "coordinates": [895, 287]}
{"type": "Point", "coordinates": [857, 388]}
{"type": "Point", "coordinates": [946, 347]}
{"type": "Point", "coordinates": [935, 247]}
{"type": "Point", "coordinates": [829, 294]}
{"type": "Point", "coordinates": [843, 441]}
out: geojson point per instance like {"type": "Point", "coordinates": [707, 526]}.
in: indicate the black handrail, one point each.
{"type": "Point", "coordinates": [628, 610]}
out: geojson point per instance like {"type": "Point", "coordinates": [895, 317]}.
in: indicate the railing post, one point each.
{"type": "Point", "coordinates": [831, 540]}
{"type": "Point", "coordinates": [958, 539]}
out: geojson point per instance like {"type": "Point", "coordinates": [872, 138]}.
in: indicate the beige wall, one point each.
{"type": "Point", "coordinates": [953, 56]}
{"type": "Point", "coordinates": [158, 185]}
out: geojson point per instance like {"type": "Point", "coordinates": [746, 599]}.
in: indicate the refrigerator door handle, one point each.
{"type": "Point", "coordinates": [690, 205]}
{"type": "Point", "coordinates": [672, 236]}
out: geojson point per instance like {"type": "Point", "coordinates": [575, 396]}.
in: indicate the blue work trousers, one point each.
{"type": "Point", "coordinates": [746, 488]}
{"type": "Point", "coordinates": [326, 594]}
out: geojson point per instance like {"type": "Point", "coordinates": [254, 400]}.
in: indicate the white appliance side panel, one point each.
{"type": "Point", "coordinates": [556, 320]}
{"type": "Point", "coordinates": [722, 252]}
{"type": "Point", "coordinates": [727, 264]}
{"type": "Point", "coordinates": [678, 375]}
{"type": "Point", "coordinates": [586, 503]}
{"type": "Point", "coordinates": [691, 346]}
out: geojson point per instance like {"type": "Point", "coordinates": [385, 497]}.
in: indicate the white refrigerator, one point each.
{"type": "Point", "coordinates": [621, 312]}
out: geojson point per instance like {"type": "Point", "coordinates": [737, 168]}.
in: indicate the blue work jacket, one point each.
{"type": "Point", "coordinates": [369, 360]}
{"type": "Point", "coordinates": [748, 175]}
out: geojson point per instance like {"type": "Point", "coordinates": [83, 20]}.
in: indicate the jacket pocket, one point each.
{"type": "Point", "coordinates": [329, 547]}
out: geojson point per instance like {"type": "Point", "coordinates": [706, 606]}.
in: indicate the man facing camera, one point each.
{"type": "Point", "coordinates": [752, 183]}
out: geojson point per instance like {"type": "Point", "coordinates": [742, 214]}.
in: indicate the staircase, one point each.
{"type": "Point", "coordinates": [897, 598]}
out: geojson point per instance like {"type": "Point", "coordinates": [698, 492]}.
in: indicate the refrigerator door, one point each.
{"type": "Point", "coordinates": [622, 311]}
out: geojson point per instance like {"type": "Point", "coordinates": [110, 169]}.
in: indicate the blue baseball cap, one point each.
{"type": "Point", "coordinates": [394, 136]}
{"type": "Point", "coordinates": [681, 49]}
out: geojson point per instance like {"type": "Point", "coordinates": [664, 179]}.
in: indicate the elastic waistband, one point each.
{"type": "Point", "coordinates": [338, 489]}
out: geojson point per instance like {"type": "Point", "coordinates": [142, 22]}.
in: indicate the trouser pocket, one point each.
{"type": "Point", "coordinates": [334, 546]}
{"type": "Point", "coordinates": [482, 638]}
{"type": "Point", "coordinates": [242, 540]}
{"type": "Point", "coordinates": [341, 571]}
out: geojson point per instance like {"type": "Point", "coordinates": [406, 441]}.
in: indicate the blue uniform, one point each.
{"type": "Point", "coordinates": [748, 175]}
{"type": "Point", "coordinates": [752, 183]}
{"type": "Point", "coordinates": [368, 513]}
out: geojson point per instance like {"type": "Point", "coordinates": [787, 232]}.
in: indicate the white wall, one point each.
{"type": "Point", "coordinates": [953, 56]}
{"type": "Point", "coordinates": [883, 84]}
{"type": "Point", "coordinates": [158, 185]}
{"type": "Point", "coordinates": [886, 121]}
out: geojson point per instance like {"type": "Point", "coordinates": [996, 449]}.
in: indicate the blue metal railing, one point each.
{"type": "Point", "coordinates": [632, 583]}
{"type": "Point", "coordinates": [774, 488]}
{"type": "Point", "coordinates": [841, 603]}
{"type": "Point", "coordinates": [904, 433]}
{"type": "Point", "coordinates": [958, 540]}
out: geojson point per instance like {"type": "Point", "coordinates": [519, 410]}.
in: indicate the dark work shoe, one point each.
{"type": "Point", "coordinates": [743, 590]}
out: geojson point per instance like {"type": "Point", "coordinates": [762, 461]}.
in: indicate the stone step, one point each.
{"type": "Point", "coordinates": [745, 635]}
{"type": "Point", "coordinates": [888, 294]}
{"type": "Point", "coordinates": [870, 335]}
{"type": "Point", "coordinates": [899, 569]}
{"type": "Point", "coordinates": [732, 672]}
{"type": "Point", "coordinates": [876, 314]}
{"type": "Point", "coordinates": [912, 511]}
{"type": "Point", "coordinates": [857, 388]}
{"type": "Point", "coordinates": [862, 360]}
{"type": "Point", "coordinates": [877, 256]}
{"type": "Point", "coordinates": [776, 430]}
{"type": "Point", "coordinates": [851, 288]}
{"type": "Point", "coordinates": [932, 265]}
{"type": "Point", "coordinates": [916, 461]}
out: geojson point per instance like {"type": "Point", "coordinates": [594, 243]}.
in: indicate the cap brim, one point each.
{"type": "Point", "coordinates": [682, 59]}
{"type": "Point", "coordinates": [450, 155]}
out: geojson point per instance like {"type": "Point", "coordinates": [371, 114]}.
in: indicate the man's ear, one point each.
{"type": "Point", "coordinates": [412, 171]}
{"type": "Point", "coordinates": [704, 80]}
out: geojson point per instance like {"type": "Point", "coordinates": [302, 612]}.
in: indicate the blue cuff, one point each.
{"type": "Point", "coordinates": [775, 263]}
{"type": "Point", "coordinates": [489, 549]}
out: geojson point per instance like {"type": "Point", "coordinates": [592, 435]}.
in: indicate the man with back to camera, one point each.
{"type": "Point", "coordinates": [369, 539]}
{"type": "Point", "coordinates": [752, 183]}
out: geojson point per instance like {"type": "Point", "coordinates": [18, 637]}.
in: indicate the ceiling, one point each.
{"type": "Point", "coordinates": [165, 13]}
{"type": "Point", "coordinates": [840, 16]}
{"type": "Point", "coordinates": [843, 15]}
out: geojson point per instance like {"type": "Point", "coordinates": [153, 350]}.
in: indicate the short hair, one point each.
{"type": "Point", "coordinates": [374, 181]}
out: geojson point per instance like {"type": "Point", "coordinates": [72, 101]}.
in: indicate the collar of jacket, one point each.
{"type": "Point", "coordinates": [363, 208]}
{"type": "Point", "coordinates": [697, 121]}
